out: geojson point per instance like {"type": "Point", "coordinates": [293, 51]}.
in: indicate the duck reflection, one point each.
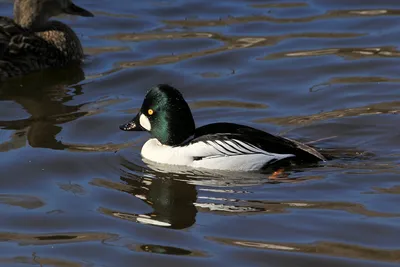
{"type": "Point", "coordinates": [174, 197]}
{"type": "Point", "coordinates": [43, 95]}
{"type": "Point", "coordinates": [165, 250]}
{"type": "Point", "coordinates": [177, 194]}
{"type": "Point", "coordinates": [172, 201]}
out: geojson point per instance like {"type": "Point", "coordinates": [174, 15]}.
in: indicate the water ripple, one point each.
{"type": "Point", "coordinates": [321, 247]}
{"type": "Point", "coordinates": [23, 201]}
{"type": "Point", "coordinates": [54, 238]}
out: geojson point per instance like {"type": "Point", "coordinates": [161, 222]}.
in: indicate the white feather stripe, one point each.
{"type": "Point", "coordinates": [245, 146]}
{"type": "Point", "coordinates": [210, 155]}
{"type": "Point", "coordinates": [252, 147]}
{"type": "Point", "coordinates": [237, 150]}
{"type": "Point", "coordinates": [226, 150]}
{"type": "Point", "coordinates": [221, 146]}
{"type": "Point", "coordinates": [241, 147]}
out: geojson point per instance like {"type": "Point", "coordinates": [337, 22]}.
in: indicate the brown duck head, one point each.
{"type": "Point", "coordinates": [35, 13]}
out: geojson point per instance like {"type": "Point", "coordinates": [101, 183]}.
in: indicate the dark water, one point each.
{"type": "Point", "coordinates": [75, 192]}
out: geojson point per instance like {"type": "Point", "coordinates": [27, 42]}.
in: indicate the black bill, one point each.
{"type": "Point", "coordinates": [133, 125]}
{"type": "Point", "coordinates": [73, 9]}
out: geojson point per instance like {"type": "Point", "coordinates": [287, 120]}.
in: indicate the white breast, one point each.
{"type": "Point", "coordinates": [230, 155]}
{"type": "Point", "coordinates": [155, 151]}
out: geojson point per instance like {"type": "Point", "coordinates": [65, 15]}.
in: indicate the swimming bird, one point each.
{"type": "Point", "coordinates": [31, 42]}
{"type": "Point", "coordinates": [222, 146]}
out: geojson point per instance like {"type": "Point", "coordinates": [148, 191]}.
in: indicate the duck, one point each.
{"type": "Point", "coordinates": [31, 42]}
{"type": "Point", "coordinates": [175, 140]}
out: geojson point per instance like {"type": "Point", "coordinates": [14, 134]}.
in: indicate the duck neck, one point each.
{"type": "Point", "coordinates": [29, 16]}
{"type": "Point", "coordinates": [31, 21]}
{"type": "Point", "coordinates": [173, 133]}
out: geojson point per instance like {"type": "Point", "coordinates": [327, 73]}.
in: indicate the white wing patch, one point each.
{"type": "Point", "coordinates": [235, 147]}
{"type": "Point", "coordinates": [230, 154]}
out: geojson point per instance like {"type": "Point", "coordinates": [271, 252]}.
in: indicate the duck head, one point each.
{"type": "Point", "coordinates": [35, 13]}
{"type": "Point", "coordinates": [165, 115]}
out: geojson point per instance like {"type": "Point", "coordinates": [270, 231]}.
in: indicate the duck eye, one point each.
{"type": "Point", "coordinates": [150, 112]}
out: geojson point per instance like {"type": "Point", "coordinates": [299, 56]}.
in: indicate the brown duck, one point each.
{"type": "Point", "coordinates": [32, 42]}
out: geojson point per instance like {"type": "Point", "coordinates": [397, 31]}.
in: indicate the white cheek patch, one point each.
{"type": "Point", "coordinates": [144, 122]}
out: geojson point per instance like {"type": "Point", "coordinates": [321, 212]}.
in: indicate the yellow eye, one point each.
{"type": "Point", "coordinates": [150, 112]}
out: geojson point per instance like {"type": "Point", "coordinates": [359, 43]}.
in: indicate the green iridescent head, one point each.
{"type": "Point", "coordinates": [165, 114]}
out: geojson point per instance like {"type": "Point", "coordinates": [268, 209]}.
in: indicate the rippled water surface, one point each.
{"type": "Point", "coordinates": [74, 190]}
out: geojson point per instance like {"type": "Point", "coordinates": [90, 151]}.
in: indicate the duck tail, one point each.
{"type": "Point", "coordinates": [309, 150]}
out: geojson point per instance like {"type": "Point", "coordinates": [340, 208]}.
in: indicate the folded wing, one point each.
{"type": "Point", "coordinates": [22, 51]}
{"type": "Point", "coordinates": [228, 139]}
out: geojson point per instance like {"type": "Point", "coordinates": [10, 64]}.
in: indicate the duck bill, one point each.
{"type": "Point", "coordinates": [73, 9]}
{"type": "Point", "coordinates": [133, 125]}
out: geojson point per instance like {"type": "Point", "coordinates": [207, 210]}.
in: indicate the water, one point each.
{"type": "Point", "coordinates": [75, 192]}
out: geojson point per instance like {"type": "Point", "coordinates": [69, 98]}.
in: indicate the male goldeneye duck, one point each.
{"type": "Point", "coordinates": [223, 146]}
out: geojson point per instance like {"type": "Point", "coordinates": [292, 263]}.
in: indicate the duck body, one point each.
{"type": "Point", "coordinates": [220, 146]}
{"type": "Point", "coordinates": [30, 42]}
{"type": "Point", "coordinates": [228, 146]}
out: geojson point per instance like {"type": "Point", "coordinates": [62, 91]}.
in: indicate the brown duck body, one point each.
{"type": "Point", "coordinates": [30, 42]}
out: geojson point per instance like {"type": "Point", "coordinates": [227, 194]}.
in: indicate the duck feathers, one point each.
{"type": "Point", "coordinates": [239, 139]}
{"type": "Point", "coordinates": [22, 51]}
